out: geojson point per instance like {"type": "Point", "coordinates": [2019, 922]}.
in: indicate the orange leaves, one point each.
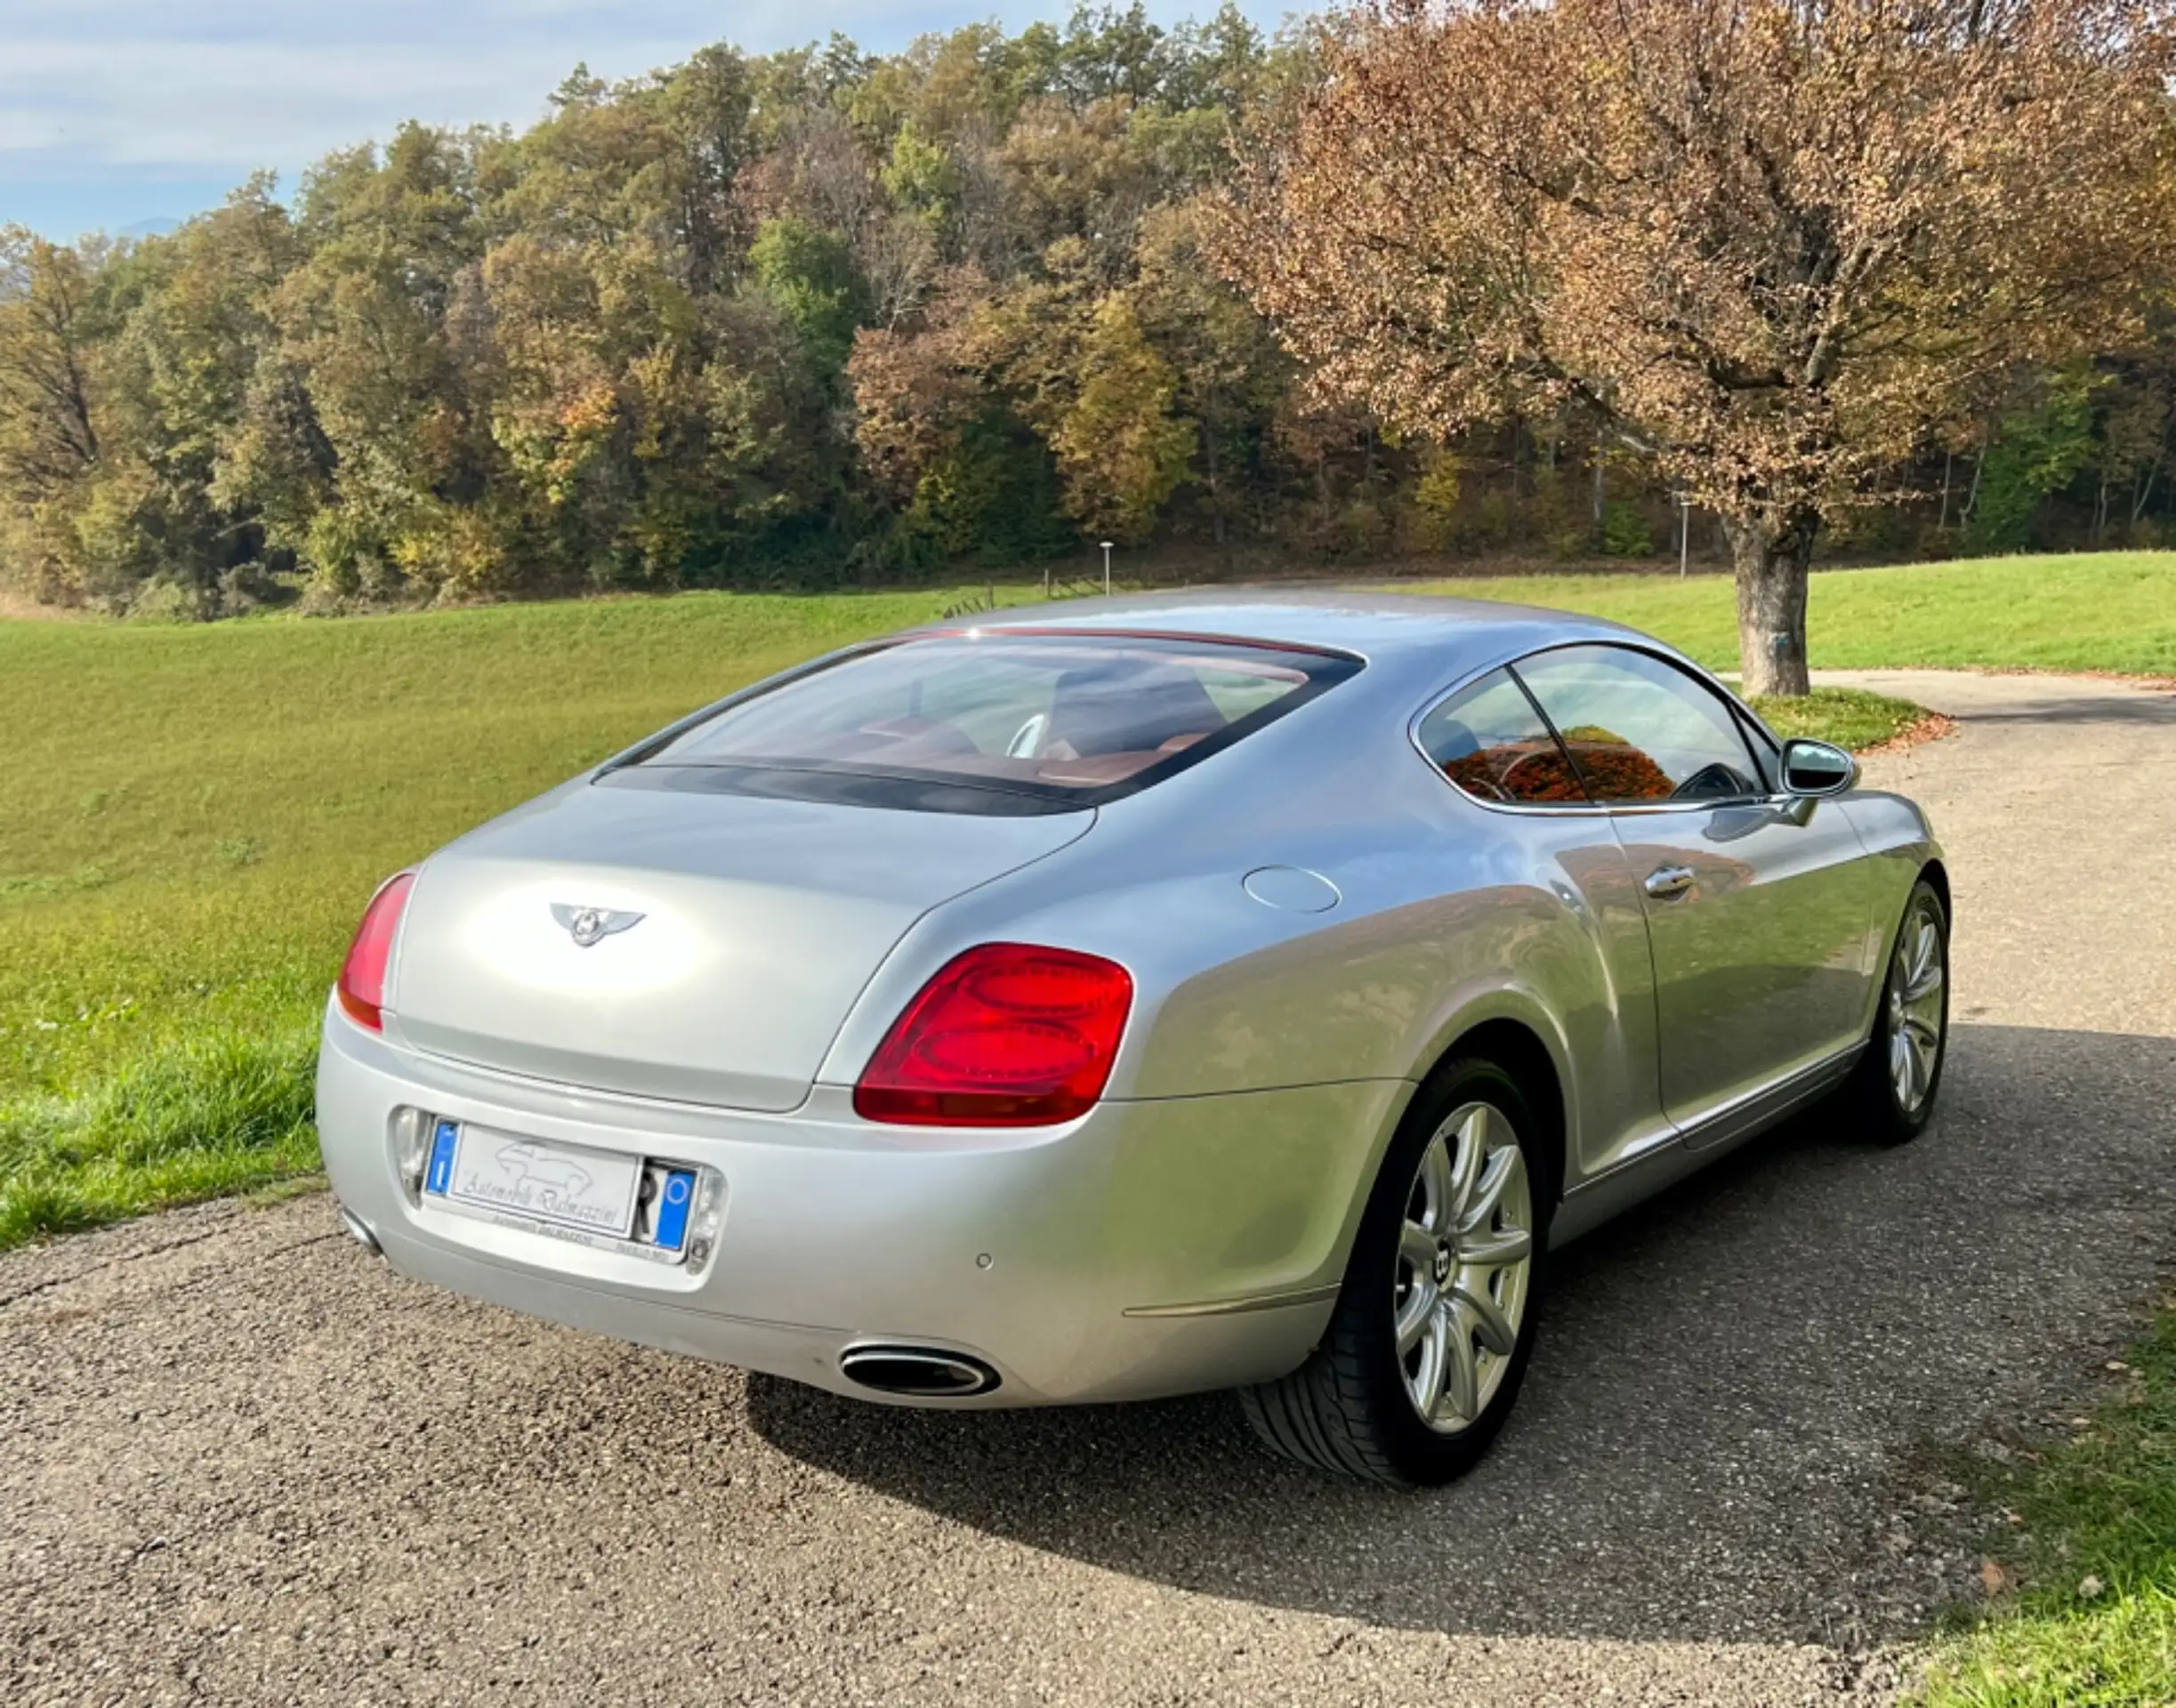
{"type": "Point", "coordinates": [1774, 242]}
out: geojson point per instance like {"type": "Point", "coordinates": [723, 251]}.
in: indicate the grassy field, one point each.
{"type": "Point", "coordinates": [2101, 611]}
{"type": "Point", "coordinates": [190, 818]}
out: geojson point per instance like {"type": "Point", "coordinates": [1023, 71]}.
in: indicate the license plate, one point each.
{"type": "Point", "coordinates": [571, 1186]}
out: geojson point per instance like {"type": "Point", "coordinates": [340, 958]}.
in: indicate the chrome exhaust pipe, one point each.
{"type": "Point", "coordinates": [917, 1372]}
{"type": "Point", "coordinates": [360, 1231]}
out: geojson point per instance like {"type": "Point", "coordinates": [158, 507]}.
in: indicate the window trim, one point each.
{"type": "Point", "coordinates": [1741, 714]}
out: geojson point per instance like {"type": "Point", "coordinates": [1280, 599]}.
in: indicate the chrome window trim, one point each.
{"type": "Point", "coordinates": [1630, 809]}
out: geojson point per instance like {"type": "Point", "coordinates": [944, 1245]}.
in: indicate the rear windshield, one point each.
{"type": "Point", "coordinates": [998, 722]}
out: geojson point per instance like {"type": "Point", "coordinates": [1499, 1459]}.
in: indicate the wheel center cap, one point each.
{"type": "Point", "coordinates": [1443, 1261]}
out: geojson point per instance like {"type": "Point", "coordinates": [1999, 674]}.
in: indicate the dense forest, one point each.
{"type": "Point", "coordinates": [822, 317]}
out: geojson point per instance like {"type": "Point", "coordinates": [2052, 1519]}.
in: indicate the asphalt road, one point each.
{"type": "Point", "coordinates": [243, 1463]}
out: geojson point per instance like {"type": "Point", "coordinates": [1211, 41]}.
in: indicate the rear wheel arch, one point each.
{"type": "Point", "coordinates": [1518, 1049]}
{"type": "Point", "coordinates": [1360, 1404]}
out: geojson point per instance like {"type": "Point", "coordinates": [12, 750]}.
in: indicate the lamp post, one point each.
{"type": "Point", "coordinates": [1107, 545]}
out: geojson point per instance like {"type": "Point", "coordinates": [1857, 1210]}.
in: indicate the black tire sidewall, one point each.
{"type": "Point", "coordinates": [1419, 1453]}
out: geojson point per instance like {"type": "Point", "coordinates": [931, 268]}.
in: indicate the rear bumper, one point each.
{"type": "Point", "coordinates": [1149, 1248]}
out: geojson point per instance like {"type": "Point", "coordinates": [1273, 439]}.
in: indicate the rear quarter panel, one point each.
{"type": "Point", "coordinates": [1447, 916]}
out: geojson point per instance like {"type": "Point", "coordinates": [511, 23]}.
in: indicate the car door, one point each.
{"type": "Point", "coordinates": [1491, 741]}
{"type": "Point", "coordinates": [1758, 905]}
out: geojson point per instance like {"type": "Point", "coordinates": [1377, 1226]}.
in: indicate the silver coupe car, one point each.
{"type": "Point", "coordinates": [1134, 997]}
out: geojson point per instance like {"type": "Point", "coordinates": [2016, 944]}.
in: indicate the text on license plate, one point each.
{"type": "Point", "coordinates": [571, 1185]}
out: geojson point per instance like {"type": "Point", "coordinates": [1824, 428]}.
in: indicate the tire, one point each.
{"type": "Point", "coordinates": [1892, 1093]}
{"type": "Point", "coordinates": [1439, 1228]}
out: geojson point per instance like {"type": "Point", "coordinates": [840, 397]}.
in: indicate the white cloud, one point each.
{"type": "Point", "coordinates": [243, 83]}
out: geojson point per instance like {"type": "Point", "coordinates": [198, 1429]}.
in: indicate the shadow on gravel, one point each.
{"type": "Point", "coordinates": [1711, 1440]}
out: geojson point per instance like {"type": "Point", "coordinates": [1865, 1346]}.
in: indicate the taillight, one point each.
{"type": "Point", "coordinates": [362, 975]}
{"type": "Point", "coordinates": [1004, 1036]}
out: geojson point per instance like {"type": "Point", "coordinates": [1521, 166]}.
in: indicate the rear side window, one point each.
{"type": "Point", "coordinates": [1640, 729]}
{"type": "Point", "coordinates": [1490, 741]}
{"type": "Point", "coordinates": [998, 722]}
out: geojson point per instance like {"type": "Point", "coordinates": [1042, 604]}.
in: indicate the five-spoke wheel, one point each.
{"type": "Point", "coordinates": [1918, 1000]}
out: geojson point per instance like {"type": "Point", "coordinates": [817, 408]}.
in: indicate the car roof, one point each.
{"type": "Point", "coordinates": [1377, 627]}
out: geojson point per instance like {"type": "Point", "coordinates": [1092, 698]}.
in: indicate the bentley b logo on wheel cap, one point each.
{"type": "Point", "coordinates": [591, 925]}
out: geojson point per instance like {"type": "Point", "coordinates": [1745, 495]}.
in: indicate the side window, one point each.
{"type": "Point", "coordinates": [1642, 729]}
{"type": "Point", "coordinates": [1489, 740]}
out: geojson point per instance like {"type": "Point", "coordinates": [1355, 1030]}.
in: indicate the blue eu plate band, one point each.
{"type": "Point", "coordinates": [439, 1180]}
{"type": "Point", "coordinates": [674, 1200]}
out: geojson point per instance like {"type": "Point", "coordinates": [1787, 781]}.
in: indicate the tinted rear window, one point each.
{"type": "Point", "coordinates": [998, 722]}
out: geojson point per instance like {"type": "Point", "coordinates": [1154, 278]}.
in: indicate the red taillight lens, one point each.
{"type": "Point", "coordinates": [1005, 1035]}
{"type": "Point", "coordinates": [362, 975]}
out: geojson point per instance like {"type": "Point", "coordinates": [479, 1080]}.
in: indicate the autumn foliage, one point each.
{"type": "Point", "coordinates": [1478, 278]}
{"type": "Point", "coordinates": [1775, 245]}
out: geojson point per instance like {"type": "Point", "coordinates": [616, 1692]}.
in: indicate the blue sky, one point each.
{"type": "Point", "coordinates": [114, 112]}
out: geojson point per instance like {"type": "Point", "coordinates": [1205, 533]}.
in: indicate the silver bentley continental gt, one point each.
{"type": "Point", "coordinates": [1130, 998]}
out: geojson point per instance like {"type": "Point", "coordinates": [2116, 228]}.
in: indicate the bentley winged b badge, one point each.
{"type": "Point", "coordinates": [591, 925]}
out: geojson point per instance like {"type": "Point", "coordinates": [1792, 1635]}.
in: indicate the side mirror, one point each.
{"type": "Point", "coordinates": [1816, 767]}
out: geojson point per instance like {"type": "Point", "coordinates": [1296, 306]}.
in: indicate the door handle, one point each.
{"type": "Point", "coordinates": [1666, 881]}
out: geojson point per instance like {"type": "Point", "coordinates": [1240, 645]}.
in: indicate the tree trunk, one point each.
{"type": "Point", "coordinates": [2153, 470]}
{"type": "Point", "coordinates": [1772, 550]}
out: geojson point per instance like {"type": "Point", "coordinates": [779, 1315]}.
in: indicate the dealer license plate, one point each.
{"type": "Point", "coordinates": [571, 1186]}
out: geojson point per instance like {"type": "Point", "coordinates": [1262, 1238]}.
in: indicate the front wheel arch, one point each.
{"type": "Point", "coordinates": [1937, 874]}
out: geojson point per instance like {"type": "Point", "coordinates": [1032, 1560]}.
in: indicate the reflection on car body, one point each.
{"type": "Point", "coordinates": [1134, 997]}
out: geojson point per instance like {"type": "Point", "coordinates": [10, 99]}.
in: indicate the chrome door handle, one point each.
{"type": "Point", "coordinates": [1667, 881]}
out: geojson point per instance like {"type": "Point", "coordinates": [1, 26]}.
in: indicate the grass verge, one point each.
{"type": "Point", "coordinates": [1850, 717]}
{"type": "Point", "coordinates": [217, 1115]}
{"type": "Point", "coordinates": [2088, 1618]}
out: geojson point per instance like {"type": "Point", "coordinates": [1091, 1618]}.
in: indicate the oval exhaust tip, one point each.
{"type": "Point", "coordinates": [917, 1372]}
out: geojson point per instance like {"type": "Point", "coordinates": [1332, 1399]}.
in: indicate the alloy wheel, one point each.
{"type": "Point", "coordinates": [1465, 1263]}
{"type": "Point", "coordinates": [1916, 1006]}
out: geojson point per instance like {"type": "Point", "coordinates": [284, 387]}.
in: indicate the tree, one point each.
{"type": "Point", "coordinates": [1769, 243]}
{"type": "Point", "coordinates": [54, 436]}
{"type": "Point", "coordinates": [1119, 446]}
{"type": "Point", "coordinates": [1229, 372]}
{"type": "Point", "coordinates": [49, 436]}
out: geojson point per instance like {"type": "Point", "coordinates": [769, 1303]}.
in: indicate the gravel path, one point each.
{"type": "Point", "coordinates": [244, 1462]}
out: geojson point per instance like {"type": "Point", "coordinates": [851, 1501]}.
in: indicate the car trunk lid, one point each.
{"type": "Point", "coordinates": [702, 948]}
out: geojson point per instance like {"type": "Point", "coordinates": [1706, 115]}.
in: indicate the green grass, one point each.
{"type": "Point", "coordinates": [2092, 1623]}
{"type": "Point", "coordinates": [191, 818]}
{"type": "Point", "coordinates": [1850, 717]}
{"type": "Point", "coordinates": [2101, 611]}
